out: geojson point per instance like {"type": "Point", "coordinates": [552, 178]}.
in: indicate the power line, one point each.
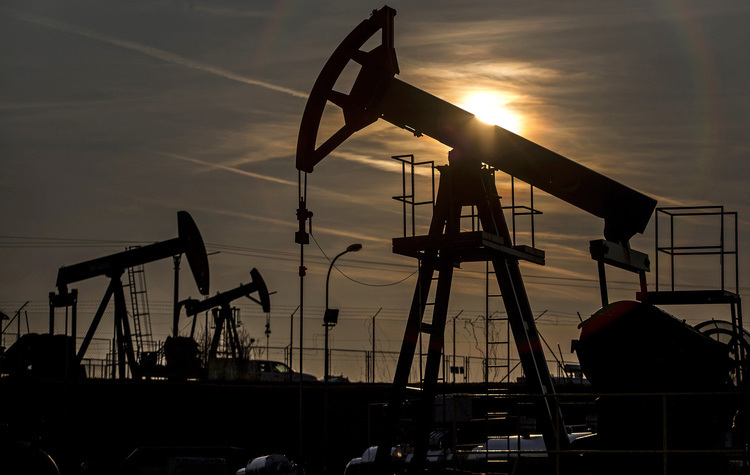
{"type": "Point", "coordinates": [35, 242]}
{"type": "Point", "coordinates": [47, 242]}
{"type": "Point", "coordinates": [355, 280]}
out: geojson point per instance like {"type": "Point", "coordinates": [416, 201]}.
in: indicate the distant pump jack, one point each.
{"type": "Point", "coordinates": [223, 318]}
{"type": "Point", "coordinates": [189, 242]}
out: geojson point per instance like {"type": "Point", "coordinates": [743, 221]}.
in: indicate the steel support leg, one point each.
{"type": "Point", "coordinates": [95, 323]}
{"type": "Point", "coordinates": [124, 335]}
{"type": "Point", "coordinates": [403, 368]}
{"type": "Point", "coordinates": [521, 317]}
{"type": "Point", "coordinates": [432, 366]}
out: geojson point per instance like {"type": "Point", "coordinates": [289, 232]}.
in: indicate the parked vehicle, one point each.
{"type": "Point", "coordinates": [274, 464]}
{"type": "Point", "coordinates": [439, 457]}
{"type": "Point", "coordinates": [267, 370]}
{"type": "Point", "coordinates": [502, 448]}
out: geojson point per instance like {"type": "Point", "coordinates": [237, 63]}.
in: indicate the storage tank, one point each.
{"type": "Point", "coordinates": [659, 381]}
{"type": "Point", "coordinates": [632, 346]}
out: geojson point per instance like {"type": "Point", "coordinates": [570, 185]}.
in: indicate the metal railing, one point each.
{"type": "Point", "coordinates": [647, 433]}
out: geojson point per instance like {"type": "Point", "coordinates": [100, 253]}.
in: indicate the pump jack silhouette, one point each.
{"type": "Point", "coordinates": [466, 181]}
{"type": "Point", "coordinates": [189, 242]}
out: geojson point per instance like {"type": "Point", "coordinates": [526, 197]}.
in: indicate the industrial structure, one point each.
{"type": "Point", "coordinates": [478, 150]}
{"type": "Point", "coordinates": [225, 324]}
{"type": "Point", "coordinates": [189, 242]}
{"type": "Point", "coordinates": [664, 394]}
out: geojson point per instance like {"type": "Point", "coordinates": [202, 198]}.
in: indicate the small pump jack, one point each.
{"type": "Point", "coordinates": [466, 181]}
{"type": "Point", "coordinates": [223, 317]}
{"type": "Point", "coordinates": [189, 242]}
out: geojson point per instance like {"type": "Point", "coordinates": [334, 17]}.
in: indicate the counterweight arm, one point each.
{"type": "Point", "coordinates": [377, 94]}
{"type": "Point", "coordinates": [189, 242]}
{"type": "Point", "coordinates": [194, 307]}
{"type": "Point", "coordinates": [624, 210]}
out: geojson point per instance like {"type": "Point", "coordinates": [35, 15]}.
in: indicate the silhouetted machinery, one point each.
{"type": "Point", "coordinates": [224, 321]}
{"type": "Point", "coordinates": [468, 180]}
{"type": "Point", "coordinates": [189, 242]}
{"type": "Point", "coordinates": [658, 378]}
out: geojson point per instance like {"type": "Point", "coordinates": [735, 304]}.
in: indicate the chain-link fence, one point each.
{"type": "Point", "coordinates": [364, 345]}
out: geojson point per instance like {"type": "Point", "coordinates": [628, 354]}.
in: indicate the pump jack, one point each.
{"type": "Point", "coordinates": [189, 242]}
{"type": "Point", "coordinates": [376, 94]}
{"type": "Point", "coordinates": [224, 315]}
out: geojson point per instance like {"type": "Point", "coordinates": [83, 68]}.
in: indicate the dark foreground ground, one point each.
{"type": "Point", "coordinates": [92, 426]}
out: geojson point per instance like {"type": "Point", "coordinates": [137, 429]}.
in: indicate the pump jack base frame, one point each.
{"type": "Point", "coordinates": [443, 249]}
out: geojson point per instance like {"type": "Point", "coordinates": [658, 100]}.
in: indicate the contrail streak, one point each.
{"type": "Point", "coordinates": [148, 51]}
{"type": "Point", "coordinates": [365, 199]}
{"type": "Point", "coordinates": [230, 169]}
{"type": "Point", "coordinates": [291, 224]}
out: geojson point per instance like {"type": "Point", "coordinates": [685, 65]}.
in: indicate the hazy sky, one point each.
{"type": "Point", "coordinates": [116, 115]}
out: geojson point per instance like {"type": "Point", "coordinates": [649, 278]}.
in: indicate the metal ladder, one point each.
{"type": "Point", "coordinates": [497, 367]}
{"type": "Point", "coordinates": [440, 251]}
{"type": "Point", "coordinates": [139, 308]}
{"type": "Point", "coordinates": [497, 342]}
{"type": "Point", "coordinates": [408, 199]}
{"type": "Point", "coordinates": [493, 341]}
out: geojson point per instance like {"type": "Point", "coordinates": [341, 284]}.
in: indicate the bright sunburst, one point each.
{"type": "Point", "coordinates": [491, 107]}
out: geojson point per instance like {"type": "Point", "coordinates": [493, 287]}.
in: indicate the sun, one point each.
{"type": "Point", "coordinates": [491, 107]}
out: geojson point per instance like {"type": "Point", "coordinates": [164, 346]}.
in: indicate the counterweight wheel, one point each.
{"type": "Point", "coordinates": [739, 343]}
{"type": "Point", "coordinates": [378, 66]}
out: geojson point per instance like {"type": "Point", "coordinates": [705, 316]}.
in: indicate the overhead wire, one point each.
{"type": "Point", "coordinates": [33, 242]}
{"type": "Point", "coordinates": [355, 280]}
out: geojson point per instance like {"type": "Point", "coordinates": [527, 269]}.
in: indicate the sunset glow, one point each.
{"type": "Point", "coordinates": [491, 107]}
{"type": "Point", "coordinates": [115, 116]}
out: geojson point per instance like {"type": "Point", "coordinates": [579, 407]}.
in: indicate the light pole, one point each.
{"type": "Point", "coordinates": [331, 316]}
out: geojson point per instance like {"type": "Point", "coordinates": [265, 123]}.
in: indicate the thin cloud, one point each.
{"type": "Point", "coordinates": [328, 194]}
{"type": "Point", "coordinates": [148, 51]}
{"type": "Point", "coordinates": [218, 166]}
{"type": "Point", "coordinates": [478, 72]}
{"type": "Point", "coordinates": [225, 12]}
{"type": "Point", "coordinates": [253, 217]}
{"type": "Point", "coordinates": [291, 224]}
{"type": "Point", "coordinates": [57, 105]}
{"type": "Point", "coordinates": [362, 237]}
{"type": "Point", "coordinates": [379, 164]}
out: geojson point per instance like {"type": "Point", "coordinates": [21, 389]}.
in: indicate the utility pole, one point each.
{"type": "Point", "coordinates": [176, 308]}
{"type": "Point", "coordinates": [291, 336]}
{"type": "Point", "coordinates": [373, 344]}
{"type": "Point", "coordinates": [453, 372]}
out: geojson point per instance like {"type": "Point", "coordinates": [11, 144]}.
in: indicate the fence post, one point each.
{"type": "Point", "coordinates": [664, 432]}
